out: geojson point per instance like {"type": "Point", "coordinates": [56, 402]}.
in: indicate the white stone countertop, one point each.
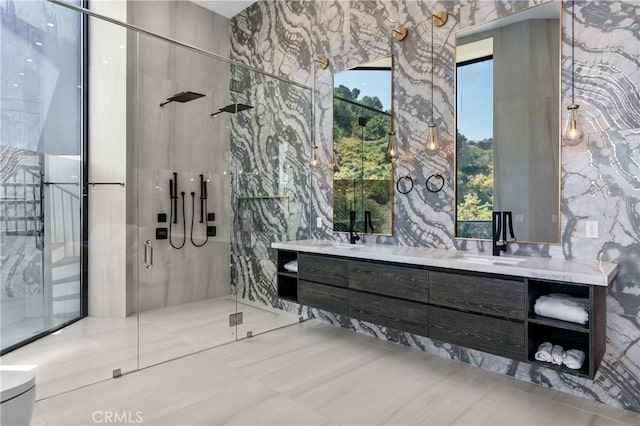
{"type": "Point", "coordinates": [572, 271]}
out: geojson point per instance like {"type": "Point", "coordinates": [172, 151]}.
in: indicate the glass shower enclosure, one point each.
{"type": "Point", "coordinates": [195, 165]}
{"type": "Point", "coordinates": [219, 165]}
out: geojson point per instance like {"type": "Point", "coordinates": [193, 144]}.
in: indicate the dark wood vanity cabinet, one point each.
{"type": "Point", "coordinates": [494, 335]}
{"type": "Point", "coordinates": [323, 269]}
{"type": "Point", "coordinates": [390, 312]}
{"type": "Point", "coordinates": [489, 312]}
{"type": "Point", "coordinates": [323, 283]}
{"type": "Point", "coordinates": [329, 298]}
{"type": "Point", "coordinates": [478, 311]}
{"type": "Point", "coordinates": [501, 297]}
{"type": "Point", "coordinates": [402, 282]}
{"type": "Point", "coordinates": [390, 295]}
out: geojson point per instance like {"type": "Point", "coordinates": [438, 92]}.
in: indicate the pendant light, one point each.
{"type": "Point", "coordinates": [398, 34]}
{"type": "Point", "coordinates": [392, 151]}
{"type": "Point", "coordinates": [324, 64]}
{"type": "Point", "coordinates": [439, 20]}
{"type": "Point", "coordinates": [314, 157]}
{"type": "Point", "coordinates": [572, 134]}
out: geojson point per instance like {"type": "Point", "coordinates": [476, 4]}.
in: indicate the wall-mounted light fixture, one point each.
{"type": "Point", "coordinates": [392, 151]}
{"type": "Point", "coordinates": [572, 134]}
{"type": "Point", "coordinates": [324, 63]}
{"type": "Point", "coordinates": [314, 156]}
{"type": "Point", "coordinates": [399, 33]}
{"type": "Point", "coordinates": [437, 20]}
{"type": "Point", "coordinates": [440, 18]}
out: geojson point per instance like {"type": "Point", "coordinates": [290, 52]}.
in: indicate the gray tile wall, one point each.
{"type": "Point", "coordinates": [179, 137]}
{"type": "Point", "coordinates": [600, 178]}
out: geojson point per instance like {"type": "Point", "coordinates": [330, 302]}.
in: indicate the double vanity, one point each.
{"type": "Point", "coordinates": [476, 301]}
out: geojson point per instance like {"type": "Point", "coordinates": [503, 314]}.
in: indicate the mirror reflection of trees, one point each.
{"type": "Point", "coordinates": [361, 176]}
{"type": "Point", "coordinates": [508, 72]}
{"type": "Point", "coordinates": [474, 195]}
{"type": "Point", "coordinates": [474, 148]}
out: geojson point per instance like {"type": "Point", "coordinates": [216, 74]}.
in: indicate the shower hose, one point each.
{"type": "Point", "coordinates": [184, 225]}
{"type": "Point", "coordinates": [193, 213]}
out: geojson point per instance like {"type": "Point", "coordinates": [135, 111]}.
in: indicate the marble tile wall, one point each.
{"type": "Point", "coordinates": [271, 185]}
{"type": "Point", "coordinates": [599, 177]}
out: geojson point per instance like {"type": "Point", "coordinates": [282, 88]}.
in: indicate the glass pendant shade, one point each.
{"type": "Point", "coordinates": [572, 134]}
{"type": "Point", "coordinates": [314, 157]}
{"type": "Point", "coordinates": [432, 138]}
{"type": "Point", "coordinates": [392, 152]}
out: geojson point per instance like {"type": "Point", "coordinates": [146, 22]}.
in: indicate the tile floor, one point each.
{"type": "Point", "coordinates": [89, 350]}
{"type": "Point", "coordinates": [317, 374]}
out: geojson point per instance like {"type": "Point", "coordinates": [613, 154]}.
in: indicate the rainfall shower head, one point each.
{"type": "Point", "coordinates": [232, 108]}
{"type": "Point", "coordinates": [183, 97]}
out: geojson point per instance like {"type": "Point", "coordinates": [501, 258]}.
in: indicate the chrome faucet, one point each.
{"type": "Point", "coordinates": [352, 224]}
{"type": "Point", "coordinates": [499, 223]}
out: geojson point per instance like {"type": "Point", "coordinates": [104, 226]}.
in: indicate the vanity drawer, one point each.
{"type": "Point", "coordinates": [492, 296]}
{"type": "Point", "coordinates": [323, 269]}
{"type": "Point", "coordinates": [501, 337]}
{"type": "Point", "coordinates": [332, 299]}
{"type": "Point", "coordinates": [399, 314]}
{"type": "Point", "coordinates": [397, 281]}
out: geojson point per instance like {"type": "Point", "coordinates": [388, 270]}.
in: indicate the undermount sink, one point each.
{"type": "Point", "coordinates": [497, 260]}
{"type": "Point", "coordinates": [342, 246]}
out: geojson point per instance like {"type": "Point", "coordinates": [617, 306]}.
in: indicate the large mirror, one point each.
{"type": "Point", "coordinates": [508, 130]}
{"type": "Point", "coordinates": [362, 173]}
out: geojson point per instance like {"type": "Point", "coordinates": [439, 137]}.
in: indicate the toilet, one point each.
{"type": "Point", "coordinates": [18, 396]}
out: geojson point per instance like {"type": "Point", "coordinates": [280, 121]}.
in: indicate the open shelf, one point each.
{"type": "Point", "coordinates": [590, 338]}
{"type": "Point", "coordinates": [288, 274]}
{"type": "Point", "coordinates": [537, 288]}
{"type": "Point", "coordinates": [583, 372]}
{"type": "Point", "coordinates": [287, 281]}
{"type": "Point", "coordinates": [290, 299]}
{"type": "Point", "coordinates": [552, 322]}
{"type": "Point", "coordinates": [568, 339]}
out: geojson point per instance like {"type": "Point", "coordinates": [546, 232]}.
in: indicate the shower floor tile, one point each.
{"type": "Point", "coordinates": [89, 350]}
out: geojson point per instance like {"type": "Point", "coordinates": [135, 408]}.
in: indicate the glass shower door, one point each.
{"type": "Point", "coordinates": [271, 153]}
{"type": "Point", "coordinates": [185, 301]}
{"type": "Point", "coordinates": [43, 164]}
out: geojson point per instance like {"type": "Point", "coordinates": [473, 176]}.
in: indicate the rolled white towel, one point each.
{"type": "Point", "coordinates": [291, 266]}
{"type": "Point", "coordinates": [563, 307]}
{"type": "Point", "coordinates": [557, 353]}
{"type": "Point", "coordinates": [544, 352]}
{"type": "Point", "coordinates": [573, 359]}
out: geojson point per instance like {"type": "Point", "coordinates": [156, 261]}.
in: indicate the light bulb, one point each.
{"type": "Point", "coordinates": [573, 133]}
{"type": "Point", "coordinates": [314, 158]}
{"type": "Point", "coordinates": [432, 138]}
{"type": "Point", "coordinates": [392, 152]}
